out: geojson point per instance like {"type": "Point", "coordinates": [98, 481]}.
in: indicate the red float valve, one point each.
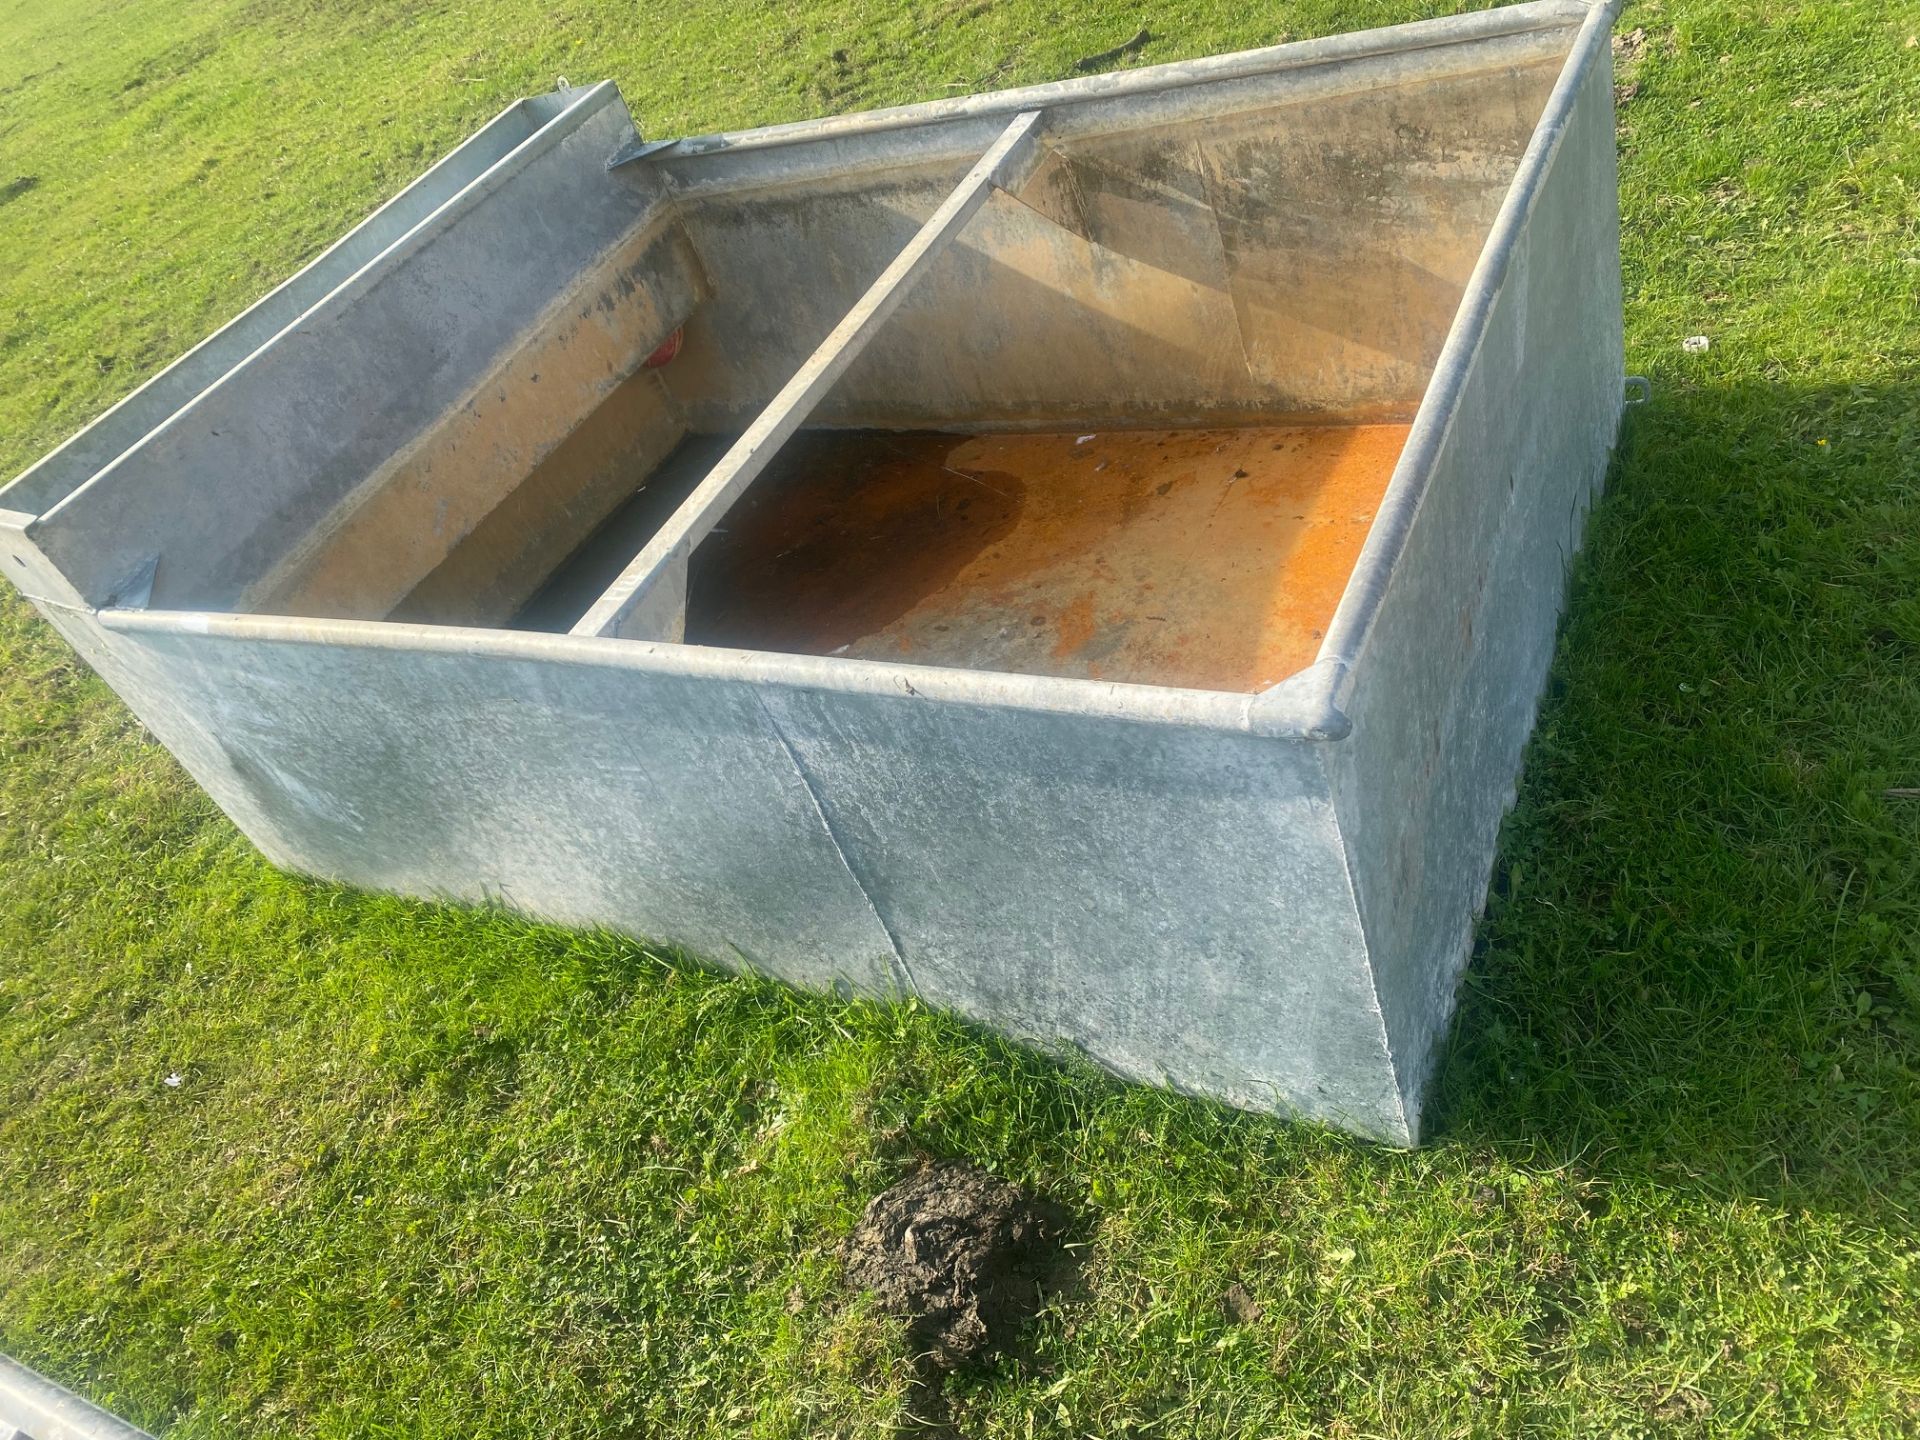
{"type": "Point", "coordinates": [669, 348]}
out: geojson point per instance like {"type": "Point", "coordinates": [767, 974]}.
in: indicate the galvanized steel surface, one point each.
{"type": "Point", "coordinates": [1263, 896]}
{"type": "Point", "coordinates": [32, 1407]}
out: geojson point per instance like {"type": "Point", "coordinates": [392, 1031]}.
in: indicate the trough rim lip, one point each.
{"type": "Point", "coordinates": [1410, 36]}
{"type": "Point", "coordinates": [1289, 710]}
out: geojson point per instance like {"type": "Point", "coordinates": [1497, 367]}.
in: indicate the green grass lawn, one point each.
{"type": "Point", "coordinates": [439, 1172]}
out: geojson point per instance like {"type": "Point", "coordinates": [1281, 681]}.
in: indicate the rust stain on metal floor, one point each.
{"type": "Point", "coordinates": [1204, 558]}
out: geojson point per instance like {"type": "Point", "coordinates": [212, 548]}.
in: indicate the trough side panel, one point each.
{"type": "Point", "coordinates": [1304, 260]}
{"type": "Point", "coordinates": [1298, 260]}
{"type": "Point", "coordinates": [1447, 686]}
{"type": "Point", "coordinates": [230, 485]}
{"type": "Point", "coordinates": [562, 430]}
{"type": "Point", "coordinates": [657, 805]}
{"type": "Point", "coordinates": [498, 566]}
{"type": "Point", "coordinates": [1171, 901]}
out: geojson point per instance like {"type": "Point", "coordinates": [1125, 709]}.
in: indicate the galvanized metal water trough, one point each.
{"type": "Point", "coordinates": [1087, 556]}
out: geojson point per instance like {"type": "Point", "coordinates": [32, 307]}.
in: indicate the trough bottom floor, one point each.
{"type": "Point", "coordinates": [1210, 559]}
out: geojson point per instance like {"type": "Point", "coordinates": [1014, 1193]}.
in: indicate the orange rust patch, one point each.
{"type": "Point", "coordinates": [1204, 558]}
{"type": "Point", "coordinates": [841, 540]}
{"type": "Point", "coordinates": [1074, 628]}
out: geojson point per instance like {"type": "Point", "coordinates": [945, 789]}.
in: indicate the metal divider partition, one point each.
{"type": "Point", "coordinates": [649, 599]}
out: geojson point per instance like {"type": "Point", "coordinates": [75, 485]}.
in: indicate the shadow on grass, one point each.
{"type": "Point", "coordinates": [1701, 957]}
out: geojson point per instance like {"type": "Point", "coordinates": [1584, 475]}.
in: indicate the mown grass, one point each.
{"type": "Point", "coordinates": [439, 1172]}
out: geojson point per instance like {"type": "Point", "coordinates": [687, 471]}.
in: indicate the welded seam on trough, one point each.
{"type": "Point", "coordinates": [1407, 1127]}
{"type": "Point", "coordinates": [896, 958]}
{"type": "Point", "coordinates": [46, 601]}
{"type": "Point", "coordinates": [1083, 230]}
{"type": "Point", "coordinates": [1205, 172]}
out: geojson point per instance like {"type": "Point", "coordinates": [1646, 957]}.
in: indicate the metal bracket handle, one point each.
{"type": "Point", "coordinates": [1643, 385]}
{"type": "Point", "coordinates": [638, 149]}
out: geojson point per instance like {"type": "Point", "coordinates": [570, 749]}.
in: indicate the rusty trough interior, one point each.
{"type": "Point", "coordinates": [1203, 558]}
{"type": "Point", "coordinates": [1129, 417]}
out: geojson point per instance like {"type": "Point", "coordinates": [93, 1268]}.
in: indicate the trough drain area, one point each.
{"type": "Point", "coordinates": [1203, 558]}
